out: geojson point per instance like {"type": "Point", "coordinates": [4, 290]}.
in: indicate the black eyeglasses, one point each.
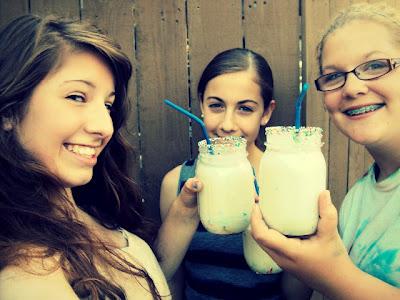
{"type": "Point", "coordinates": [366, 71]}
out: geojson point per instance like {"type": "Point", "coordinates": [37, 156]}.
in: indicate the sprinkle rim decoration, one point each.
{"type": "Point", "coordinates": [290, 136]}
{"type": "Point", "coordinates": [222, 145]}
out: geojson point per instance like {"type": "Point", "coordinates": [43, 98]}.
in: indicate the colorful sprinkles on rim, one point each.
{"type": "Point", "coordinates": [222, 146]}
{"type": "Point", "coordinates": [289, 136]}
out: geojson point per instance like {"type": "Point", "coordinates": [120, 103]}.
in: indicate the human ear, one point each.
{"type": "Point", "coordinates": [268, 112]}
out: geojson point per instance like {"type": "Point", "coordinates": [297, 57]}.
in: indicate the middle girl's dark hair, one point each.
{"type": "Point", "coordinates": [236, 60]}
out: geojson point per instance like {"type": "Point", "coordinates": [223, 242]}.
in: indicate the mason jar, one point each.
{"type": "Point", "coordinates": [292, 175]}
{"type": "Point", "coordinates": [256, 258]}
{"type": "Point", "coordinates": [226, 200]}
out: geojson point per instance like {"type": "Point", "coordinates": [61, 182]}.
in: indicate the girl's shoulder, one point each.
{"type": "Point", "coordinates": [171, 183]}
{"type": "Point", "coordinates": [169, 186]}
{"type": "Point", "coordinates": [171, 177]}
{"type": "Point", "coordinates": [35, 278]}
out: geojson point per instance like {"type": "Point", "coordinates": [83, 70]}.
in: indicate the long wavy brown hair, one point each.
{"type": "Point", "coordinates": [33, 210]}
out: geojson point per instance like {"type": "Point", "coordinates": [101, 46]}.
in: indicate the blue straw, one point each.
{"type": "Point", "coordinates": [193, 117]}
{"type": "Point", "coordinates": [298, 105]}
{"type": "Point", "coordinates": [255, 183]}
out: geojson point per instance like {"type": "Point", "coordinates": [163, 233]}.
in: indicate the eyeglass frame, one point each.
{"type": "Point", "coordinates": [393, 63]}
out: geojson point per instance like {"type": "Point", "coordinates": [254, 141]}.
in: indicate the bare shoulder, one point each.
{"type": "Point", "coordinates": [36, 279]}
{"type": "Point", "coordinates": [169, 188]}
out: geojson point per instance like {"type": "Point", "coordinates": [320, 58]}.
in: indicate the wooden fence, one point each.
{"type": "Point", "coordinates": [169, 43]}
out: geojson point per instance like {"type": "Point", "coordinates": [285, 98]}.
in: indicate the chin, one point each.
{"type": "Point", "coordinates": [71, 182]}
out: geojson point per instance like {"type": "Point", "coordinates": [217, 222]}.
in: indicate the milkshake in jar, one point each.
{"type": "Point", "coordinates": [227, 197]}
{"type": "Point", "coordinates": [256, 258]}
{"type": "Point", "coordinates": [292, 175]}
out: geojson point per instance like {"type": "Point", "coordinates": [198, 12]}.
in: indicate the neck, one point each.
{"type": "Point", "coordinates": [388, 161]}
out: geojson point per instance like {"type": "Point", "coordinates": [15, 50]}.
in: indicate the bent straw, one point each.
{"type": "Point", "coordinates": [298, 105]}
{"type": "Point", "coordinates": [194, 118]}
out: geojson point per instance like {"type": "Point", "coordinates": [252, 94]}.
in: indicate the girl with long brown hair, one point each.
{"type": "Point", "coordinates": [70, 216]}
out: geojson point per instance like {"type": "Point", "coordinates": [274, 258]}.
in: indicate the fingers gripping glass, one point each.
{"type": "Point", "coordinates": [366, 71]}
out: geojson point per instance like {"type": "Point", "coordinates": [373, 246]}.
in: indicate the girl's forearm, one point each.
{"type": "Point", "coordinates": [175, 235]}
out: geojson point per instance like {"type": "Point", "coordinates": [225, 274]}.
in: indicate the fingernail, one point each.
{"type": "Point", "coordinates": [195, 186]}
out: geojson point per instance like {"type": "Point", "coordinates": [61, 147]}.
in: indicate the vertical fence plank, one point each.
{"type": "Point", "coordinates": [272, 28]}
{"type": "Point", "coordinates": [11, 9]}
{"type": "Point", "coordinates": [213, 26]}
{"type": "Point", "coordinates": [67, 9]}
{"type": "Point", "coordinates": [314, 17]}
{"type": "Point", "coordinates": [162, 60]}
{"type": "Point", "coordinates": [116, 18]}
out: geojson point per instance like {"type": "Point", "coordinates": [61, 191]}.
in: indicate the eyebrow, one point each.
{"type": "Point", "coordinates": [89, 83]}
{"type": "Point", "coordinates": [366, 56]}
{"type": "Point", "coordinates": [239, 102]}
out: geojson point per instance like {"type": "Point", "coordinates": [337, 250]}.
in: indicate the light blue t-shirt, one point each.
{"type": "Point", "coordinates": [369, 224]}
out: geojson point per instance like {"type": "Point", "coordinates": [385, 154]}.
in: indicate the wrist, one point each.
{"type": "Point", "coordinates": [341, 278]}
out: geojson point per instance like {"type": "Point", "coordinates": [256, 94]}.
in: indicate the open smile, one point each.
{"type": "Point", "coordinates": [363, 109]}
{"type": "Point", "coordinates": [86, 154]}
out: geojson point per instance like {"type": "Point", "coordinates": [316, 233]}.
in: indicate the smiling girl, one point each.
{"type": "Point", "coordinates": [236, 99]}
{"type": "Point", "coordinates": [70, 219]}
{"type": "Point", "coordinates": [359, 58]}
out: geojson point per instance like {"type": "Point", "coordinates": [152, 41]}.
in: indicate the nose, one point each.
{"type": "Point", "coordinates": [354, 87]}
{"type": "Point", "coordinates": [228, 124]}
{"type": "Point", "coordinates": [99, 121]}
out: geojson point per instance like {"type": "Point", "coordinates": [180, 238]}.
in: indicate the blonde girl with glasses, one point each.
{"type": "Point", "coordinates": [358, 58]}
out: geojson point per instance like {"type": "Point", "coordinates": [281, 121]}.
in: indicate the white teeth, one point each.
{"type": "Point", "coordinates": [363, 110]}
{"type": "Point", "coordinates": [81, 150]}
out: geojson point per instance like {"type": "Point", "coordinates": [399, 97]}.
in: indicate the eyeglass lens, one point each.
{"type": "Point", "coordinates": [366, 71]}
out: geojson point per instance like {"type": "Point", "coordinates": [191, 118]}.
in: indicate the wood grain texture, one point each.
{"type": "Point", "coordinates": [11, 9]}
{"type": "Point", "coordinates": [68, 9]}
{"type": "Point", "coordinates": [272, 28]}
{"type": "Point", "coordinates": [162, 74]}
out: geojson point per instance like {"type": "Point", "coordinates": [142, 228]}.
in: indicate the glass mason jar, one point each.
{"type": "Point", "coordinates": [226, 200]}
{"type": "Point", "coordinates": [256, 258]}
{"type": "Point", "coordinates": [292, 175]}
